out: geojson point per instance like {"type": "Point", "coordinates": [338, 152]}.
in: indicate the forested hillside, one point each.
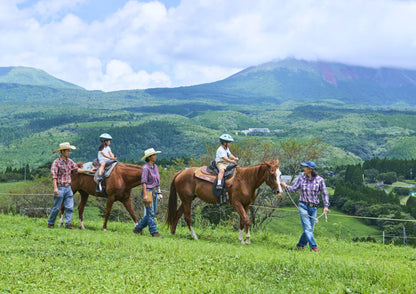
{"type": "Point", "coordinates": [181, 122]}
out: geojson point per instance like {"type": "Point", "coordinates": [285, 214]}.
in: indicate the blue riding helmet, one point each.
{"type": "Point", "coordinates": [105, 137]}
{"type": "Point", "coordinates": [226, 138]}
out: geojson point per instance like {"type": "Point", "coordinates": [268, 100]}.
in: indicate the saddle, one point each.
{"type": "Point", "coordinates": [209, 173]}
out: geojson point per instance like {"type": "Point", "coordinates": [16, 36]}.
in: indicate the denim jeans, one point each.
{"type": "Point", "coordinates": [66, 196]}
{"type": "Point", "coordinates": [307, 217]}
{"type": "Point", "coordinates": [149, 217]}
{"type": "Point", "coordinates": [154, 205]}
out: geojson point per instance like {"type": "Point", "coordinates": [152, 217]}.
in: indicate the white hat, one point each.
{"type": "Point", "coordinates": [150, 152]}
{"type": "Point", "coordinates": [64, 146]}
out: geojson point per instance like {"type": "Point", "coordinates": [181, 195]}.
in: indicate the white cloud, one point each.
{"type": "Point", "coordinates": [120, 76]}
{"type": "Point", "coordinates": [144, 45]}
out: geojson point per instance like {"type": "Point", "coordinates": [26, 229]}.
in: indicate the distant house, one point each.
{"type": "Point", "coordinates": [255, 130]}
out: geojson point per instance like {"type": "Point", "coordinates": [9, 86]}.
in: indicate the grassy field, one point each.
{"type": "Point", "coordinates": [39, 260]}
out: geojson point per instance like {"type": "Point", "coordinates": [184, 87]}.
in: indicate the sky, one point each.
{"type": "Point", "coordinates": [114, 45]}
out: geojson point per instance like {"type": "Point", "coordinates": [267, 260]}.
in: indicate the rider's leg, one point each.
{"type": "Point", "coordinates": [220, 176]}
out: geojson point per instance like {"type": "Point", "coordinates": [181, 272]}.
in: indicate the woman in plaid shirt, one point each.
{"type": "Point", "coordinates": [310, 186]}
{"type": "Point", "coordinates": [150, 183]}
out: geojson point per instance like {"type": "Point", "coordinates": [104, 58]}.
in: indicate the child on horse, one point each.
{"type": "Point", "coordinates": [104, 153]}
{"type": "Point", "coordinates": [224, 157]}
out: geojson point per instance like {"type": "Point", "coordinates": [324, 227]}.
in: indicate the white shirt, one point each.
{"type": "Point", "coordinates": [105, 151]}
{"type": "Point", "coordinates": [221, 153]}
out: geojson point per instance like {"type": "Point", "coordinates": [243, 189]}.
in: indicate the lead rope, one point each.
{"type": "Point", "coordinates": [315, 218]}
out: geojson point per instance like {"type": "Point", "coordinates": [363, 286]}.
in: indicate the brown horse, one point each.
{"type": "Point", "coordinates": [241, 194]}
{"type": "Point", "coordinates": [123, 178]}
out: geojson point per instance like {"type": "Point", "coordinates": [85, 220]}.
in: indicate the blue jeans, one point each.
{"type": "Point", "coordinates": [66, 196]}
{"type": "Point", "coordinates": [307, 217]}
{"type": "Point", "coordinates": [154, 205]}
{"type": "Point", "coordinates": [149, 217]}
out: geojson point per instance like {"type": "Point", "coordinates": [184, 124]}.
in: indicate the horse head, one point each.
{"type": "Point", "coordinates": [273, 178]}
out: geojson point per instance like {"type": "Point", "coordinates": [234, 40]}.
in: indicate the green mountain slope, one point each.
{"type": "Point", "coordinates": [298, 80]}
{"type": "Point", "coordinates": [292, 98]}
{"type": "Point", "coordinates": [31, 76]}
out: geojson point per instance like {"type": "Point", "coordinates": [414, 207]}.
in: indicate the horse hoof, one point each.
{"type": "Point", "coordinates": [247, 242]}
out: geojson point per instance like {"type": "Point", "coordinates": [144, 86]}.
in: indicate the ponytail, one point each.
{"type": "Point", "coordinates": [101, 146]}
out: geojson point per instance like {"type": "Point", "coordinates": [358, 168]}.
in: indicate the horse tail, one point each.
{"type": "Point", "coordinates": [173, 203]}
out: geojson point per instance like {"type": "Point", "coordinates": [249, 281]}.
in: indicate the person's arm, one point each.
{"type": "Point", "coordinates": [325, 195]}
{"type": "Point", "coordinates": [112, 157]}
{"type": "Point", "coordinates": [234, 158]}
{"type": "Point", "coordinates": [54, 173]}
{"type": "Point", "coordinates": [55, 187]}
{"type": "Point", "coordinates": [293, 188]}
{"type": "Point", "coordinates": [145, 172]}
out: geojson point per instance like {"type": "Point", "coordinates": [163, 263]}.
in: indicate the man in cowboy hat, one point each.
{"type": "Point", "coordinates": [150, 184]}
{"type": "Point", "coordinates": [61, 177]}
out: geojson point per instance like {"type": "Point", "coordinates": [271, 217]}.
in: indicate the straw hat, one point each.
{"type": "Point", "coordinates": [64, 146]}
{"type": "Point", "coordinates": [150, 152]}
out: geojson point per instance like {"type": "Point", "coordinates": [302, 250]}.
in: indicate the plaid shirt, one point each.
{"type": "Point", "coordinates": [61, 170]}
{"type": "Point", "coordinates": [310, 188]}
{"type": "Point", "coordinates": [150, 176]}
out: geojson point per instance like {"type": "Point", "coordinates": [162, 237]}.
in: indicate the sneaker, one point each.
{"type": "Point", "coordinates": [50, 226]}
{"type": "Point", "coordinates": [138, 231]}
{"type": "Point", "coordinates": [70, 227]}
{"type": "Point", "coordinates": [315, 249]}
{"type": "Point", "coordinates": [300, 247]}
{"type": "Point", "coordinates": [157, 235]}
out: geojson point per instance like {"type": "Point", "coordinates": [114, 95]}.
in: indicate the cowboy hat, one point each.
{"type": "Point", "coordinates": [150, 152]}
{"type": "Point", "coordinates": [64, 146]}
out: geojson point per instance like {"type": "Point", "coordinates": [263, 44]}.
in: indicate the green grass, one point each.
{"type": "Point", "coordinates": [14, 187]}
{"type": "Point", "coordinates": [39, 260]}
{"type": "Point", "coordinates": [338, 225]}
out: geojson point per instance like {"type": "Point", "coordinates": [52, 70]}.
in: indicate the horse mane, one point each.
{"type": "Point", "coordinates": [132, 165]}
{"type": "Point", "coordinates": [255, 168]}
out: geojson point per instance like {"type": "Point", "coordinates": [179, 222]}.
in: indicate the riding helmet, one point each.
{"type": "Point", "coordinates": [105, 137]}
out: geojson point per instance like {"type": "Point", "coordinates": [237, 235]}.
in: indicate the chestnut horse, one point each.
{"type": "Point", "coordinates": [122, 179]}
{"type": "Point", "coordinates": [241, 194]}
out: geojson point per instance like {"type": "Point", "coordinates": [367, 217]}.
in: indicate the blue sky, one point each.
{"type": "Point", "coordinates": [119, 44]}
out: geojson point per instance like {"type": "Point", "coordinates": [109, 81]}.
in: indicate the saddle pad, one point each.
{"type": "Point", "coordinates": [87, 165]}
{"type": "Point", "coordinates": [109, 170]}
{"type": "Point", "coordinates": [203, 174]}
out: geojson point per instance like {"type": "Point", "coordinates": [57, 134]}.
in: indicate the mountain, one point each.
{"type": "Point", "coordinates": [306, 81]}
{"type": "Point", "coordinates": [34, 77]}
{"type": "Point", "coordinates": [359, 113]}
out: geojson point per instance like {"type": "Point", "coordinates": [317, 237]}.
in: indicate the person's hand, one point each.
{"type": "Point", "coordinates": [326, 210]}
{"type": "Point", "coordinates": [56, 191]}
{"type": "Point", "coordinates": [115, 158]}
{"type": "Point", "coordinates": [283, 184]}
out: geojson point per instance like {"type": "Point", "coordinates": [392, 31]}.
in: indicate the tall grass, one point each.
{"type": "Point", "coordinates": [39, 260]}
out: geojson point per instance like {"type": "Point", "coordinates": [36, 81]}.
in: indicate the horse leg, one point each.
{"type": "Point", "coordinates": [179, 213]}
{"type": "Point", "coordinates": [188, 218]}
{"type": "Point", "coordinates": [62, 219]}
{"type": "Point", "coordinates": [81, 206]}
{"type": "Point", "coordinates": [247, 227]}
{"type": "Point", "coordinates": [129, 206]}
{"type": "Point", "coordinates": [110, 202]}
{"type": "Point", "coordinates": [244, 221]}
